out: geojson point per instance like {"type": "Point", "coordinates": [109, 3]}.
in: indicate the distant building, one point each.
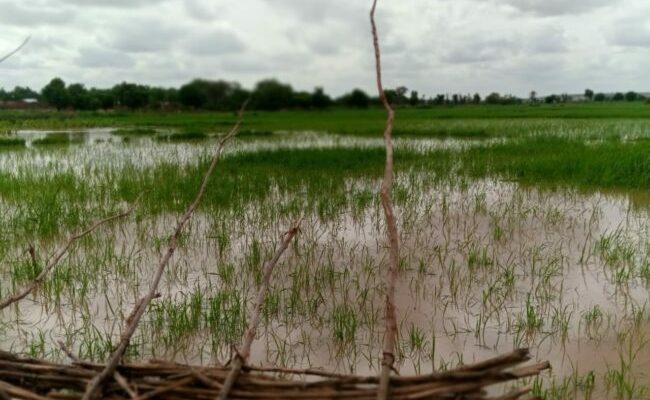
{"type": "Point", "coordinates": [22, 104]}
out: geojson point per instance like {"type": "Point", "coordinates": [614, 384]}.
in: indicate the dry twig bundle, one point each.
{"type": "Point", "coordinates": [28, 379]}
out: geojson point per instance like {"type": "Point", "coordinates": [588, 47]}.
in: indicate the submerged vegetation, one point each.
{"type": "Point", "coordinates": [517, 230]}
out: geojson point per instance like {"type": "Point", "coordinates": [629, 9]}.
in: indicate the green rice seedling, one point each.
{"type": "Point", "coordinates": [134, 132]}
{"type": "Point", "coordinates": [593, 320]}
{"type": "Point", "coordinates": [575, 386]}
{"type": "Point", "coordinates": [23, 271]}
{"type": "Point", "coordinates": [226, 273]}
{"type": "Point", "coordinates": [644, 272]}
{"type": "Point", "coordinates": [253, 133]}
{"type": "Point", "coordinates": [183, 136]}
{"type": "Point", "coordinates": [417, 340]}
{"type": "Point", "coordinates": [57, 139]}
{"type": "Point", "coordinates": [479, 258]}
{"type": "Point", "coordinates": [617, 379]}
{"type": "Point", "coordinates": [177, 320]}
{"type": "Point", "coordinates": [532, 321]}
{"type": "Point", "coordinates": [615, 250]}
{"type": "Point", "coordinates": [36, 347]}
{"type": "Point", "coordinates": [11, 142]}
{"type": "Point", "coordinates": [226, 317]}
{"type": "Point", "coordinates": [253, 261]}
{"type": "Point", "coordinates": [344, 324]}
{"type": "Point", "coordinates": [621, 378]}
{"type": "Point", "coordinates": [271, 307]}
{"type": "Point", "coordinates": [95, 345]}
{"type": "Point", "coordinates": [561, 322]}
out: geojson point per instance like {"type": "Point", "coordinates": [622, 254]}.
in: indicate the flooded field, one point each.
{"type": "Point", "coordinates": [490, 259]}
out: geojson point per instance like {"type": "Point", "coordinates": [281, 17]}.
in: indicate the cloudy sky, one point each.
{"type": "Point", "coordinates": [434, 46]}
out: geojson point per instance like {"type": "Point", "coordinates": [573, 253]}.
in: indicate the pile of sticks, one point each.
{"type": "Point", "coordinates": [22, 378]}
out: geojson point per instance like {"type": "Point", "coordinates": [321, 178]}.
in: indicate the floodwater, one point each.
{"type": "Point", "coordinates": [487, 266]}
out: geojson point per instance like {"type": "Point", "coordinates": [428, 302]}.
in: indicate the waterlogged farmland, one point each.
{"type": "Point", "coordinates": [516, 232]}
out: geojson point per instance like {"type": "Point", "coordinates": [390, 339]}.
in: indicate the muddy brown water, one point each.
{"type": "Point", "coordinates": [487, 266]}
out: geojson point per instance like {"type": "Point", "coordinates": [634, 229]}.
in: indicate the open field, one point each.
{"type": "Point", "coordinates": [520, 226]}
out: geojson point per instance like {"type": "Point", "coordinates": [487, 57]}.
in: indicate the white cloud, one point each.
{"type": "Point", "coordinates": [433, 46]}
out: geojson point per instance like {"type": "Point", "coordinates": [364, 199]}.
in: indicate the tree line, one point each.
{"type": "Point", "coordinates": [200, 94]}
{"type": "Point", "coordinates": [268, 95]}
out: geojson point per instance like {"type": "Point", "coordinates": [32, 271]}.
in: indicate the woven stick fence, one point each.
{"type": "Point", "coordinates": [22, 378]}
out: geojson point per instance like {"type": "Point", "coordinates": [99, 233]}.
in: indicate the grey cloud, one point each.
{"type": "Point", "coordinates": [215, 42]}
{"type": "Point", "coordinates": [146, 36]}
{"type": "Point", "coordinates": [18, 15]}
{"type": "Point", "coordinates": [113, 3]}
{"type": "Point", "coordinates": [314, 11]}
{"type": "Point", "coordinates": [556, 7]}
{"type": "Point", "coordinates": [433, 46]}
{"type": "Point", "coordinates": [91, 57]}
{"type": "Point", "coordinates": [201, 10]}
{"type": "Point", "coordinates": [547, 40]}
{"type": "Point", "coordinates": [481, 51]}
{"type": "Point", "coordinates": [631, 32]}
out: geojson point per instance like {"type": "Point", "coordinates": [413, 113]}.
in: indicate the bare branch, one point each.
{"type": "Point", "coordinates": [391, 224]}
{"type": "Point", "coordinates": [23, 44]}
{"type": "Point", "coordinates": [58, 256]}
{"type": "Point", "coordinates": [242, 356]}
{"type": "Point", "coordinates": [94, 387]}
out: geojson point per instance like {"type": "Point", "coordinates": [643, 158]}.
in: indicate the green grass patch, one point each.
{"type": "Point", "coordinates": [11, 142]}
{"type": "Point", "coordinates": [57, 139]}
{"type": "Point", "coordinates": [183, 136]}
{"type": "Point", "coordinates": [134, 132]}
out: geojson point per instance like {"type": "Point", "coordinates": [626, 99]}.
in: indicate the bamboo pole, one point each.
{"type": "Point", "coordinates": [16, 50]}
{"type": "Point", "coordinates": [390, 335]}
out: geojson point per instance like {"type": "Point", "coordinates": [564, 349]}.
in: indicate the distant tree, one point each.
{"type": "Point", "coordinates": [102, 98]}
{"type": "Point", "coordinates": [533, 97]}
{"type": "Point", "coordinates": [302, 100]}
{"type": "Point", "coordinates": [78, 97]}
{"type": "Point", "coordinates": [319, 99]}
{"type": "Point", "coordinates": [476, 99]}
{"type": "Point", "coordinates": [414, 100]}
{"type": "Point", "coordinates": [55, 94]}
{"type": "Point", "coordinates": [131, 95]}
{"type": "Point", "coordinates": [272, 95]}
{"type": "Point", "coordinates": [552, 99]}
{"type": "Point", "coordinates": [589, 94]}
{"type": "Point", "coordinates": [400, 92]}
{"type": "Point", "coordinates": [22, 93]}
{"type": "Point", "coordinates": [600, 97]}
{"type": "Point", "coordinates": [193, 94]}
{"type": "Point", "coordinates": [493, 98]}
{"type": "Point", "coordinates": [356, 99]}
{"type": "Point", "coordinates": [619, 97]}
{"type": "Point", "coordinates": [439, 99]}
{"type": "Point", "coordinates": [631, 96]}
{"type": "Point", "coordinates": [213, 95]}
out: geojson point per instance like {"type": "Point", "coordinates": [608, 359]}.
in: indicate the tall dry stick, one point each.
{"type": "Point", "coordinates": [94, 387]}
{"type": "Point", "coordinates": [5, 57]}
{"type": "Point", "coordinates": [58, 256]}
{"type": "Point", "coordinates": [242, 356]}
{"type": "Point", "coordinates": [390, 335]}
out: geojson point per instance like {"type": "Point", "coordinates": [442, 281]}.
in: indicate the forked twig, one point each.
{"type": "Point", "coordinates": [391, 224]}
{"type": "Point", "coordinates": [23, 44]}
{"type": "Point", "coordinates": [242, 356]}
{"type": "Point", "coordinates": [52, 263]}
{"type": "Point", "coordinates": [93, 389]}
